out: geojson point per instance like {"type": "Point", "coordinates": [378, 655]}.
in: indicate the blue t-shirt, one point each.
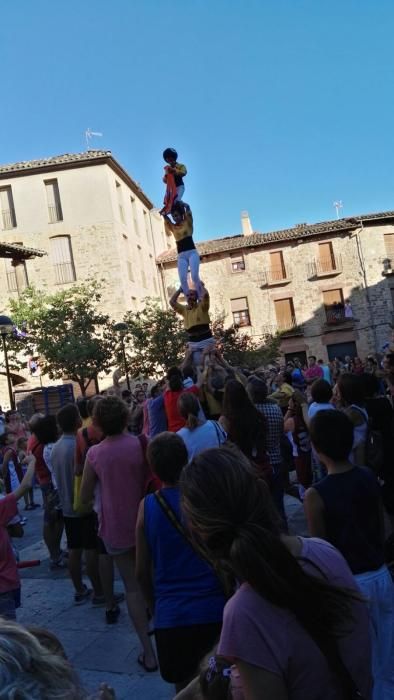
{"type": "Point", "coordinates": [187, 591]}
{"type": "Point", "coordinates": [157, 416]}
{"type": "Point", "coordinates": [316, 407]}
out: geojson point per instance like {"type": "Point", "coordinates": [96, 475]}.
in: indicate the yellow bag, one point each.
{"type": "Point", "coordinates": [79, 507]}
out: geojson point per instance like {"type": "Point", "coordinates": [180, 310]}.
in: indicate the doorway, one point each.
{"type": "Point", "coordinates": [340, 350]}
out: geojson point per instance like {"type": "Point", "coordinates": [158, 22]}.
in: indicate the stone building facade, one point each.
{"type": "Point", "coordinates": [328, 288]}
{"type": "Point", "coordinates": [91, 219]}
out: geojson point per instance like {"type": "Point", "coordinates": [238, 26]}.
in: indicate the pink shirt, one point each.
{"type": "Point", "coordinates": [9, 577]}
{"type": "Point", "coordinates": [314, 372]}
{"type": "Point", "coordinates": [260, 633]}
{"type": "Point", "coordinates": [121, 470]}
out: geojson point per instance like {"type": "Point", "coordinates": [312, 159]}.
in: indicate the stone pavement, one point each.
{"type": "Point", "coordinates": [99, 652]}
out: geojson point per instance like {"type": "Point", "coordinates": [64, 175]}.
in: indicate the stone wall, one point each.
{"type": "Point", "coordinates": [359, 256]}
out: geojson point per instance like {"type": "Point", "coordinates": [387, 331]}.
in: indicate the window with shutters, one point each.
{"type": "Point", "coordinates": [277, 271]}
{"type": "Point", "coordinates": [134, 214]}
{"type": "Point", "coordinates": [17, 279]}
{"type": "Point", "coordinates": [7, 208]}
{"type": "Point", "coordinates": [237, 262]}
{"type": "Point", "coordinates": [62, 259]}
{"type": "Point", "coordinates": [130, 271]}
{"type": "Point", "coordinates": [141, 260]}
{"type": "Point", "coordinates": [120, 201]}
{"type": "Point", "coordinates": [284, 312]}
{"type": "Point", "coordinates": [147, 227]}
{"type": "Point", "coordinates": [53, 200]}
{"type": "Point", "coordinates": [240, 311]}
{"type": "Point", "coordinates": [334, 306]}
{"type": "Point", "coordinates": [326, 261]}
{"type": "Point", "coordinates": [389, 245]}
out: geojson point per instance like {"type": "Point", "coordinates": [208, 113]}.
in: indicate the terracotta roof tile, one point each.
{"type": "Point", "coordinates": [54, 160]}
{"type": "Point", "coordinates": [229, 243]}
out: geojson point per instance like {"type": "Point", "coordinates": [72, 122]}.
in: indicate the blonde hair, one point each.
{"type": "Point", "coordinates": [32, 671]}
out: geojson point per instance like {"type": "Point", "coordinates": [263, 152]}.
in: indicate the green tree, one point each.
{"type": "Point", "coordinates": [65, 329]}
{"type": "Point", "coordinates": [155, 341]}
{"type": "Point", "coordinates": [241, 349]}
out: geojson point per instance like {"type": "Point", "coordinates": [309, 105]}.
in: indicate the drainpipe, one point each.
{"type": "Point", "coordinates": [365, 279]}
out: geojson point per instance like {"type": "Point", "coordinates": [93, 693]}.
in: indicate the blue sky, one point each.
{"type": "Point", "coordinates": [278, 107]}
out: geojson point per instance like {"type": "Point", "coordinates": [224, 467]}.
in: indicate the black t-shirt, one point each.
{"type": "Point", "coordinates": [352, 515]}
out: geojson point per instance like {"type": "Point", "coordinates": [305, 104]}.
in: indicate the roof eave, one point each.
{"type": "Point", "coordinates": [102, 159]}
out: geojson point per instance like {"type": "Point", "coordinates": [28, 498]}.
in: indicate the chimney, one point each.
{"type": "Point", "coordinates": [246, 225]}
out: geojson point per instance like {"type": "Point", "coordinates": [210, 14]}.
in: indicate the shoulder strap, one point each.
{"type": "Point", "coordinates": [219, 431]}
{"type": "Point", "coordinates": [174, 520]}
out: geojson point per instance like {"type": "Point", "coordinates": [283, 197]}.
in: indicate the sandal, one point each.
{"type": "Point", "coordinates": [148, 669]}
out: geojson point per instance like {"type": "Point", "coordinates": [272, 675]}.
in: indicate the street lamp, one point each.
{"type": "Point", "coordinates": [122, 328]}
{"type": "Point", "coordinates": [6, 328]}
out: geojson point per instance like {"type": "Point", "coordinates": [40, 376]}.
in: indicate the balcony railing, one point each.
{"type": "Point", "coordinates": [9, 218]}
{"type": "Point", "coordinates": [55, 213]}
{"type": "Point", "coordinates": [64, 273]}
{"type": "Point", "coordinates": [336, 315]}
{"type": "Point", "coordinates": [325, 268]}
{"type": "Point", "coordinates": [284, 328]}
{"type": "Point", "coordinates": [275, 275]}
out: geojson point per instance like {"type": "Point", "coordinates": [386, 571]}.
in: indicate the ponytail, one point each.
{"type": "Point", "coordinates": [192, 421]}
{"type": "Point", "coordinates": [189, 408]}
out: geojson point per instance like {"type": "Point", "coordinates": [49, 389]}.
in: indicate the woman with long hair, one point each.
{"type": "Point", "coordinates": [197, 435]}
{"type": "Point", "coordinates": [244, 424]}
{"type": "Point", "coordinates": [296, 627]}
{"type": "Point", "coordinates": [296, 426]}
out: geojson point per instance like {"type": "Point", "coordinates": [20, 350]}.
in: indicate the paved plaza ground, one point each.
{"type": "Point", "coordinates": [99, 652]}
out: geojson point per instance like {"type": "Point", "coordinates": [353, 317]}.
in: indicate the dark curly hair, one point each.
{"type": "Point", "coordinates": [111, 415]}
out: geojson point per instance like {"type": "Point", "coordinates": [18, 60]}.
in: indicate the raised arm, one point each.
{"type": "Point", "coordinates": [174, 301]}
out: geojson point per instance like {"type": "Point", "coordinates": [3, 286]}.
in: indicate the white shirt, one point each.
{"type": "Point", "coordinates": [208, 435]}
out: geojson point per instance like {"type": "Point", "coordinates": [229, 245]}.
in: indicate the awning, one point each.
{"type": "Point", "coordinates": [17, 252]}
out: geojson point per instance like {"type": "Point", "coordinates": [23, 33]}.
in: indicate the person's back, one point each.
{"type": "Point", "coordinates": [209, 434]}
{"type": "Point", "coordinates": [121, 470]}
{"type": "Point", "coordinates": [352, 515]}
{"type": "Point", "coordinates": [186, 590]}
{"type": "Point", "coordinates": [174, 419]}
{"type": "Point", "coordinates": [63, 461]}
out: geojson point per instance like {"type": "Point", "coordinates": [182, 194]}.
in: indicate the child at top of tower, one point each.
{"type": "Point", "coordinates": [174, 173]}
{"type": "Point", "coordinates": [179, 171]}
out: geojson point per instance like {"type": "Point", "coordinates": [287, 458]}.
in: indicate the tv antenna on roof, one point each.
{"type": "Point", "coordinates": [338, 206]}
{"type": "Point", "coordinates": [89, 134]}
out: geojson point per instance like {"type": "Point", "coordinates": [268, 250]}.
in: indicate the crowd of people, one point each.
{"type": "Point", "coordinates": [182, 491]}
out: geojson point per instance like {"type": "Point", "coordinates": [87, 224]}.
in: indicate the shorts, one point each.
{"type": "Point", "coordinates": [51, 503]}
{"type": "Point", "coordinates": [81, 532]}
{"type": "Point", "coordinates": [181, 649]}
{"type": "Point", "coordinates": [9, 602]}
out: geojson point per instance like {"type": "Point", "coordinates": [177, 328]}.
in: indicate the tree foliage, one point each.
{"type": "Point", "coordinates": [65, 329]}
{"type": "Point", "coordinates": [155, 341]}
{"type": "Point", "coordinates": [241, 349]}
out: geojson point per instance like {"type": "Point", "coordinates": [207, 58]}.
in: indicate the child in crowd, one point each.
{"type": "Point", "coordinates": [11, 470]}
{"type": "Point", "coordinates": [21, 447]}
{"type": "Point", "coordinates": [9, 578]}
{"type": "Point", "coordinates": [345, 509]}
{"type": "Point", "coordinates": [174, 173]}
